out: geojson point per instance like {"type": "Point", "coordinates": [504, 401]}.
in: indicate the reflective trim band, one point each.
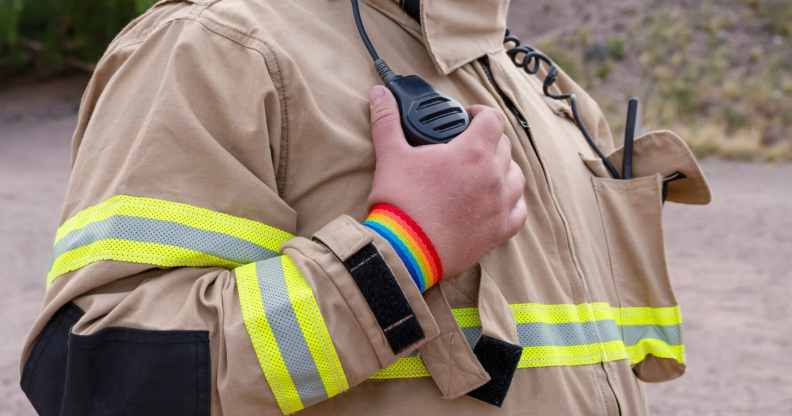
{"type": "Point", "coordinates": [161, 233]}
{"type": "Point", "coordinates": [648, 316]}
{"type": "Point", "coordinates": [289, 335]}
{"type": "Point", "coordinates": [633, 334]}
{"type": "Point", "coordinates": [406, 367]}
{"type": "Point", "coordinates": [569, 355]}
{"type": "Point", "coordinates": [566, 335]}
{"type": "Point", "coordinates": [561, 313]}
{"type": "Point", "coordinates": [314, 329]}
{"type": "Point", "coordinates": [160, 255]}
{"type": "Point", "coordinates": [656, 347]}
{"type": "Point", "coordinates": [263, 339]}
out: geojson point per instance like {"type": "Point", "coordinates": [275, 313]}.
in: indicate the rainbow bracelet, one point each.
{"type": "Point", "coordinates": [410, 242]}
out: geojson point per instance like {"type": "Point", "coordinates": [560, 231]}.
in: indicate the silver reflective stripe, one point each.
{"type": "Point", "coordinates": [289, 336]}
{"type": "Point", "coordinates": [580, 333]}
{"type": "Point", "coordinates": [671, 334]}
{"type": "Point", "coordinates": [472, 335]}
{"type": "Point", "coordinates": [566, 334]}
{"type": "Point", "coordinates": [164, 232]}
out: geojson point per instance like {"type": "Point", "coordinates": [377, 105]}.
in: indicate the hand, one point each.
{"type": "Point", "coordinates": [467, 195]}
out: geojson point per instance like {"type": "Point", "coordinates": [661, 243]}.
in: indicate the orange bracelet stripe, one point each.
{"type": "Point", "coordinates": [412, 245]}
{"type": "Point", "coordinates": [408, 238]}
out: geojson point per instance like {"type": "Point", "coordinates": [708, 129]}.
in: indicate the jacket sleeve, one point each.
{"type": "Point", "coordinates": [173, 222]}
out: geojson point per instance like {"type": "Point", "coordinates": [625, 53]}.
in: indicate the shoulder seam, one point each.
{"type": "Point", "coordinates": [274, 68]}
{"type": "Point", "coordinates": [254, 44]}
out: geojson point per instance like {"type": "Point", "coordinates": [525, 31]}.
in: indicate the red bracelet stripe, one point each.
{"type": "Point", "coordinates": [421, 257]}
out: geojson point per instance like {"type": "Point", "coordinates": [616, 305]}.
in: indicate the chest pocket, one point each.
{"type": "Point", "coordinates": [631, 212]}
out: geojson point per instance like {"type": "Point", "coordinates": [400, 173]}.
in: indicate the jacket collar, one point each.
{"type": "Point", "coordinates": [455, 32]}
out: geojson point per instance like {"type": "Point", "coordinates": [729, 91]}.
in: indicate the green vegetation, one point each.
{"type": "Point", "coordinates": [49, 36]}
{"type": "Point", "coordinates": [718, 71]}
{"type": "Point", "coordinates": [720, 74]}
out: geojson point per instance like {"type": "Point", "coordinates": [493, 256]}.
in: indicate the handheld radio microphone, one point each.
{"type": "Point", "coordinates": [427, 116]}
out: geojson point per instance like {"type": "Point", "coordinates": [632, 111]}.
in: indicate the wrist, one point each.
{"type": "Point", "coordinates": [413, 246]}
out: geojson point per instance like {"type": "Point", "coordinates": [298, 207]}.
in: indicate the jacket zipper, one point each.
{"type": "Point", "coordinates": [484, 61]}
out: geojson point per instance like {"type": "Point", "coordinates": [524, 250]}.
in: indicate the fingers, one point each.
{"type": "Point", "coordinates": [503, 155]}
{"type": "Point", "coordinates": [473, 110]}
{"type": "Point", "coordinates": [485, 130]}
{"type": "Point", "coordinates": [515, 184]}
{"type": "Point", "coordinates": [517, 217]}
{"type": "Point", "coordinates": [386, 131]}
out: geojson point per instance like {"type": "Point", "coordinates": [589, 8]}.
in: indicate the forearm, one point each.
{"type": "Point", "coordinates": [320, 315]}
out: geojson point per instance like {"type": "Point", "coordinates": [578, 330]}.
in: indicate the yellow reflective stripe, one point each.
{"type": "Point", "coordinates": [134, 252]}
{"type": "Point", "coordinates": [406, 367]}
{"type": "Point", "coordinates": [532, 357]}
{"type": "Point", "coordinates": [264, 343]}
{"type": "Point", "coordinates": [314, 329]}
{"type": "Point", "coordinates": [656, 347]}
{"type": "Point", "coordinates": [255, 232]}
{"type": "Point", "coordinates": [557, 355]}
{"type": "Point", "coordinates": [640, 315]}
{"type": "Point", "coordinates": [467, 317]}
{"type": "Point", "coordinates": [547, 356]}
{"type": "Point", "coordinates": [161, 233]}
{"type": "Point", "coordinates": [561, 313]}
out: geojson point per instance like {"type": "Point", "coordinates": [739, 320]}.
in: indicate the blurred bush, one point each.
{"type": "Point", "coordinates": [717, 71]}
{"type": "Point", "coordinates": [47, 37]}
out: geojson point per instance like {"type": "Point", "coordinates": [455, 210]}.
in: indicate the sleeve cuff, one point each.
{"type": "Point", "coordinates": [378, 288]}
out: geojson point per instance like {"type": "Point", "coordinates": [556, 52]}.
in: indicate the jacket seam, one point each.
{"type": "Point", "coordinates": [247, 41]}
{"type": "Point", "coordinates": [274, 69]}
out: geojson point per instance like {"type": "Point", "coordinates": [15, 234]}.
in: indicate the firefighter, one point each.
{"type": "Point", "coordinates": [246, 230]}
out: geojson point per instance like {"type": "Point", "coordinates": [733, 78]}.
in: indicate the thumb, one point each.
{"type": "Point", "coordinates": [386, 130]}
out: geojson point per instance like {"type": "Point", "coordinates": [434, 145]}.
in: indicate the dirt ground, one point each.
{"type": "Point", "coordinates": [730, 263]}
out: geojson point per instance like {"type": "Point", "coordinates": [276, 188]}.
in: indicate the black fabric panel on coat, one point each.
{"type": "Point", "coordinates": [44, 373]}
{"type": "Point", "coordinates": [499, 359]}
{"type": "Point", "coordinates": [119, 371]}
{"type": "Point", "coordinates": [385, 298]}
{"type": "Point", "coordinates": [413, 8]}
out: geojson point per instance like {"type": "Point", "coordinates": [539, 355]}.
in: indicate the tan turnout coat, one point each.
{"type": "Point", "coordinates": [222, 140]}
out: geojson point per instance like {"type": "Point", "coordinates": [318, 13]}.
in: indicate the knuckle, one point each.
{"type": "Point", "coordinates": [492, 121]}
{"type": "Point", "coordinates": [520, 175]}
{"type": "Point", "coordinates": [512, 227]}
{"type": "Point", "coordinates": [493, 183]}
{"type": "Point", "coordinates": [515, 227]}
{"type": "Point", "coordinates": [383, 116]}
{"type": "Point", "coordinates": [475, 155]}
{"type": "Point", "coordinates": [506, 144]}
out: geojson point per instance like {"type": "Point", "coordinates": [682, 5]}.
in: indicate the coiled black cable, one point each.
{"type": "Point", "coordinates": [530, 60]}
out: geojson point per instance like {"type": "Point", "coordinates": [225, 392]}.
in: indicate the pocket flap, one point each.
{"type": "Point", "coordinates": [665, 153]}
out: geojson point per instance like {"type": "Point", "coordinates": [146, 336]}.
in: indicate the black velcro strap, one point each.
{"type": "Point", "coordinates": [413, 8]}
{"type": "Point", "coordinates": [499, 359]}
{"type": "Point", "coordinates": [385, 298]}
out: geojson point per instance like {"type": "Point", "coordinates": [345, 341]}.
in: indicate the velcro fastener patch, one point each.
{"type": "Point", "coordinates": [499, 358]}
{"type": "Point", "coordinates": [385, 298]}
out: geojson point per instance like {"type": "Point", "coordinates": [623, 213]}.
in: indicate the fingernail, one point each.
{"type": "Point", "coordinates": [376, 93]}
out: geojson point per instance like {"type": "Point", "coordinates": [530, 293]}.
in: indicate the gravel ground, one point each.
{"type": "Point", "coordinates": [730, 263]}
